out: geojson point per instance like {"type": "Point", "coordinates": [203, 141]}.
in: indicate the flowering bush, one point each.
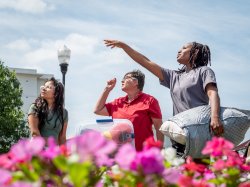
{"type": "Point", "coordinates": [92, 160]}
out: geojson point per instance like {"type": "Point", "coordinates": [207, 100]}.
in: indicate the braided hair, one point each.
{"type": "Point", "coordinates": [199, 56]}
{"type": "Point", "coordinates": [42, 108]}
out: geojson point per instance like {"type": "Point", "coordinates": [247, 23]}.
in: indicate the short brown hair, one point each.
{"type": "Point", "coordinates": [139, 76]}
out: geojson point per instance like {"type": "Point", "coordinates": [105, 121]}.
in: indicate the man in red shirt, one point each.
{"type": "Point", "coordinates": [141, 109]}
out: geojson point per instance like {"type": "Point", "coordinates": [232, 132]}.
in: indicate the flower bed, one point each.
{"type": "Point", "coordinates": [92, 160]}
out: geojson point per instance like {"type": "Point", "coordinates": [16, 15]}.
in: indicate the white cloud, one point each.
{"type": "Point", "coordinates": [30, 6]}
{"type": "Point", "coordinates": [41, 54]}
{"type": "Point", "coordinates": [80, 44]}
{"type": "Point", "coordinates": [227, 61]}
{"type": "Point", "coordinates": [47, 49]}
{"type": "Point", "coordinates": [19, 45]}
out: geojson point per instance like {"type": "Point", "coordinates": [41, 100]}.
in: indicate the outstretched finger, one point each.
{"type": "Point", "coordinates": [108, 41]}
{"type": "Point", "coordinates": [108, 44]}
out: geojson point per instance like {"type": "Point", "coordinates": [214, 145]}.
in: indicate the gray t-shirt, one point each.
{"type": "Point", "coordinates": [53, 125]}
{"type": "Point", "coordinates": [187, 89]}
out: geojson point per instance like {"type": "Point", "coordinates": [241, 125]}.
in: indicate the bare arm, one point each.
{"type": "Point", "coordinates": [215, 125]}
{"type": "Point", "coordinates": [157, 124]}
{"type": "Point", "coordinates": [33, 125]}
{"type": "Point", "coordinates": [137, 57]}
{"type": "Point", "coordinates": [62, 135]}
{"type": "Point", "coordinates": [100, 108]}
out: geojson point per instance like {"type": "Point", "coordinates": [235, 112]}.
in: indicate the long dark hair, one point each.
{"type": "Point", "coordinates": [199, 56]}
{"type": "Point", "coordinates": [42, 105]}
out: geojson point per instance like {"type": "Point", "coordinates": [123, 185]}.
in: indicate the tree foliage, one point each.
{"type": "Point", "coordinates": [12, 124]}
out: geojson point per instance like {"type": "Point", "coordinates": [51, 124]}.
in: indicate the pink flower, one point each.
{"type": "Point", "coordinates": [92, 146]}
{"type": "Point", "coordinates": [245, 184]}
{"type": "Point", "coordinates": [172, 175]}
{"type": "Point", "coordinates": [126, 154]}
{"type": "Point", "coordinates": [5, 177]}
{"type": "Point", "coordinates": [200, 183]}
{"type": "Point", "coordinates": [99, 184]}
{"type": "Point", "coordinates": [21, 184]}
{"type": "Point", "coordinates": [219, 165]}
{"type": "Point", "coordinates": [24, 150]}
{"type": "Point", "coordinates": [150, 142]}
{"type": "Point", "coordinates": [188, 181]}
{"type": "Point", "coordinates": [148, 161]}
{"type": "Point", "coordinates": [185, 181]}
{"type": "Point", "coordinates": [208, 174]}
{"type": "Point", "coordinates": [193, 167]}
{"type": "Point", "coordinates": [245, 167]}
{"type": "Point", "coordinates": [52, 150]}
{"type": "Point", "coordinates": [217, 147]}
{"type": "Point", "coordinates": [64, 151]}
{"type": "Point", "coordinates": [234, 161]}
{"type": "Point", "coordinates": [5, 161]}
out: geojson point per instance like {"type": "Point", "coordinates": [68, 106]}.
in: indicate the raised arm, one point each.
{"type": "Point", "coordinates": [137, 57]}
{"type": "Point", "coordinates": [215, 125]}
{"type": "Point", "coordinates": [100, 108]}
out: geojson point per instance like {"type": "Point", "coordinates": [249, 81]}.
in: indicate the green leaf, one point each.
{"type": "Point", "coordinates": [29, 173]}
{"type": "Point", "coordinates": [61, 163]}
{"type": "Point", "coordinates": [80, 173]}
{"type": "Point", "coordinates": [12, 125]}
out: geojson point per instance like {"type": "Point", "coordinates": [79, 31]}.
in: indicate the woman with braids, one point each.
{"type": "Point", "coordinates": [47, 116]}
{"type": "Point", "coordinates": [191, 86]}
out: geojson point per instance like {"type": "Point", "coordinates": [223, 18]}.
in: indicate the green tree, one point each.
{"type": "Point", "coordinates": [12, 124]}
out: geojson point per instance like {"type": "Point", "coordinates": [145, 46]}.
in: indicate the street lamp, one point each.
{"type": "Point", "coordinates": [63, 57]}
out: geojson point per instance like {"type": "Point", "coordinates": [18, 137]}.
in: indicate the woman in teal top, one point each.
{"type": "Point", "coordinates": [47, 116]}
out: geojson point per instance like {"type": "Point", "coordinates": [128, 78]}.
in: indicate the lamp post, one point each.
{"type": "Point", "coordinates": [63, 57]}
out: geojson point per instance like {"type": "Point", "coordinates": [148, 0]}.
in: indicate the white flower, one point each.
{"type": "Point", "coordinates": [178, 161]}
{"type": "Point", "coordinates": [169, 155]}
{"type": "Point", "coordinates": [73, 158]}
{"type": "Point", "coordinates": [115, 169]}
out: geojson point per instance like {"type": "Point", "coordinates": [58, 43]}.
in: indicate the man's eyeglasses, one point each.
{"type": "Point", "coordinates": [129, 77]}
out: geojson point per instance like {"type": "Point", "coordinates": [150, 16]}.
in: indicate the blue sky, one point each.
{"type": "Point", "coordinates": [33, 30]}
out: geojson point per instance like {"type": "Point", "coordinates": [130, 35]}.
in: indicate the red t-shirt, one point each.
{"type": "Point", "coordinates": [139, 112]}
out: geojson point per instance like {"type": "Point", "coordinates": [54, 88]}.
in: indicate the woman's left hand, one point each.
{"type": "Point", "coordinates": [216, 126]}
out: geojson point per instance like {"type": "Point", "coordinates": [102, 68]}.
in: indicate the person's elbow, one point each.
{"type": "Point", "coordinates": [101, 111]}
{"type": "Point", "coordinates": [96, 111]}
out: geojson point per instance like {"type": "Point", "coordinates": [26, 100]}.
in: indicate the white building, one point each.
{"type": "Point", "coordinates": [30, 82]}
